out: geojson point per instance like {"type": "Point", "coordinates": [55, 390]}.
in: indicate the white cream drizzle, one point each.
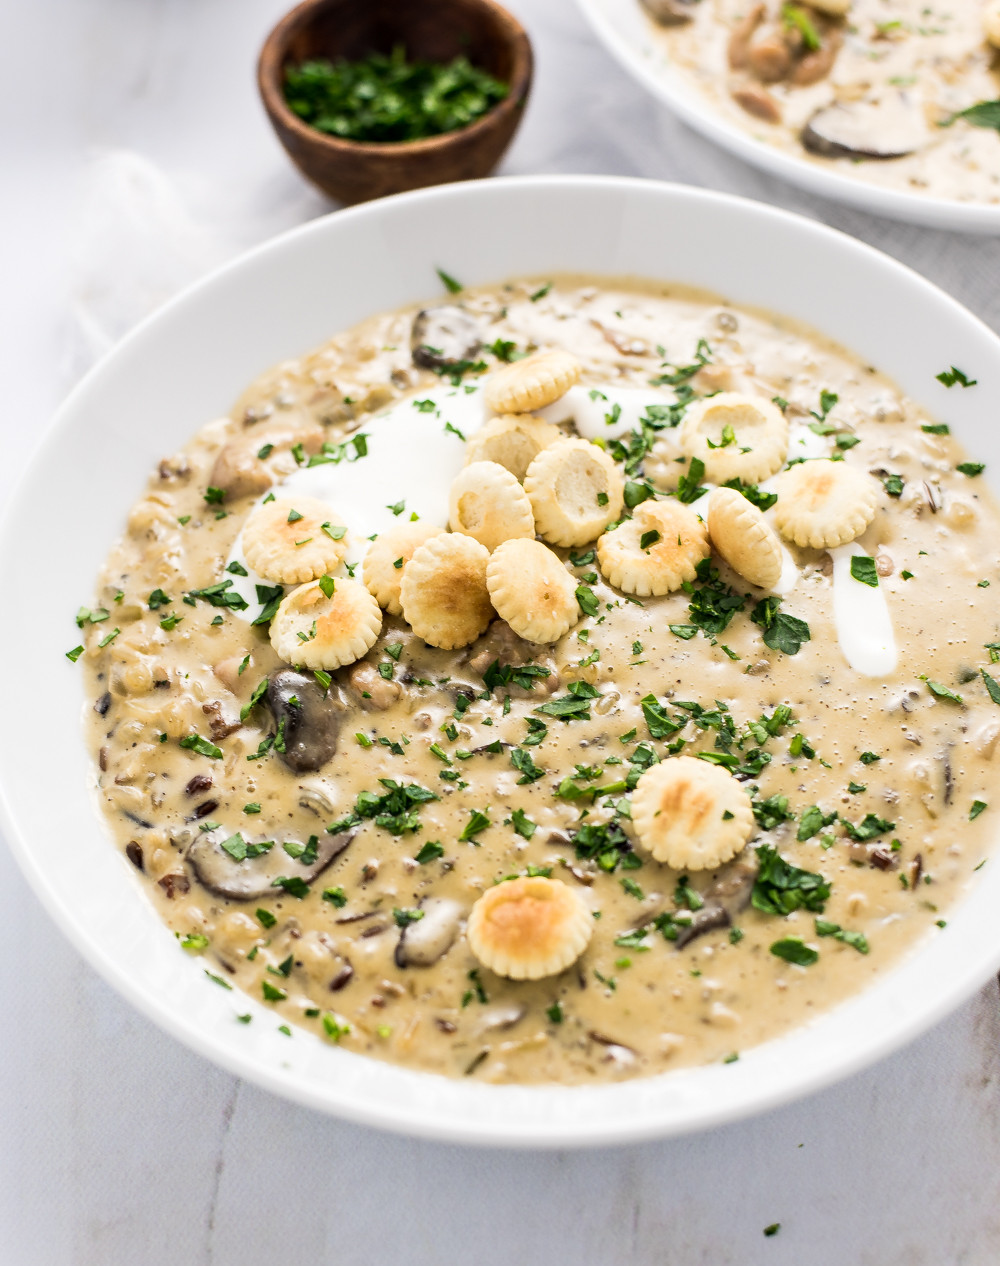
{"type": "Point", "coordinates": [862, 619]}
{"type": "Point", "coordinates": [411, 458]}
{"type": "Point", "coordinates": [588, 409]}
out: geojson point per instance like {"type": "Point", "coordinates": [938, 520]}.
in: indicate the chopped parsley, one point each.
{"type": "Point", "coordinates": [813, 821]}
{"type": "Point", "coordinates": [606, 844]}
{"type": "Point", "coordinates": [782, 632]}
{"type": "Point", "coordinates": [195, 743]}
{"type": "Point", "coordinates": [781, 887]}
{"type": "Point", "coordinates": [863, 569]}
{"type": "Point", "coordinates": [857, 940]}
{"type": "Point", "coordinates": [572, 707]}
{"type": "Point", "coordinates": [395, 811]}
{"type": "Point", "coordinates": [478, 821]}
{"type": "Point", "coordinates": [794, 950]}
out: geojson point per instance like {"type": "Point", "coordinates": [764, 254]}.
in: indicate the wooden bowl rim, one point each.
{"type": "Point", "coordinates": [271, 62]}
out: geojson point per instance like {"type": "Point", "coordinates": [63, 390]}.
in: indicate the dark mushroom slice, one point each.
{"type": "Point", "coordinates": [253, 877]}
{"type": "Point", "coordinates": [422, 943]}
{"type": "Point", "coordinates": [444, 337]}
{"type": "Point", "coordinates": [670, 12]}
{"type": "Point", "coordinates": [724, 899]}
{"type": "Point", "coordinates": [311, 719]}
{"type": "Point", "coordinates": [890, 128]}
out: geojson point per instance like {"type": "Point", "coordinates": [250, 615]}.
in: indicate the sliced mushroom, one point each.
{"type": "Point", "coordinates": [757, 101]}
{"type": "Point", "coordinates": [240, 471]}
{"type": "Point", "coordinates": [373, 691]}
{"type": "Point", "coordinates": [769, 56]}
{"type": "Point", "coordinates": [670, 12]}
{"type": "Point", "coordinates": [884, 129]}
{"type": "Point", "coordinates": [254, 877]}
{"type": "Point", "coordinates": [421, 944]}
{"type": "Point", "coordinates": [444, 337]}
{"type": "Point", "coordinates": [742, 34]}
{"type": "Point", "coordinates": [724, 899]}
{"type": "Point", "coordinates": [817, 65]}
{"type": "Point", "coordinates": [312, 719]}
{"type": "Point", "coordinates": [501, 1017]}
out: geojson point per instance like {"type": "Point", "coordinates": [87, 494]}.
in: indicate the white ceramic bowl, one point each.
{"type": "Point", "coordinates": [624, 30]}
{"type": "Point", "coordinates": [186, 365]}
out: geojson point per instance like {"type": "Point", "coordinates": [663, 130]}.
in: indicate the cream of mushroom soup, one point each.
{"type": "Point", "coordinates": [700, 815]}
{"type": "Point", "coordinates": [903, 96]}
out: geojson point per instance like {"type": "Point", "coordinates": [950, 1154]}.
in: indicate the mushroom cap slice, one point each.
{"type": "Point", "coordinates": [889, 128]}
{"type": "Point", "coordinates": [253, 877]}
{"type": "Point", "coordinates": [444, 337]}
{"type": "Point", "coordinates": [422, 943]}
{"type": "Point", "coordinates": [670, 12]}
{"type": "Point", "coordinates": [312, 723]}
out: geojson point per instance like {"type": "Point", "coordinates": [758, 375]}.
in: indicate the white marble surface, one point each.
{"type": "Point", "coordinates": [119, 1146]}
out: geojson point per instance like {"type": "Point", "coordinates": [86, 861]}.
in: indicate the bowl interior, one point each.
{"type": "Point", "coordinates": [432, 30]}
{"type": "Point", "coordinates": [189, 362]}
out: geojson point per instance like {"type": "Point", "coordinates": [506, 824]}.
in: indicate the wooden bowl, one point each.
{"type": "Point", "coordinates": [434, 30]}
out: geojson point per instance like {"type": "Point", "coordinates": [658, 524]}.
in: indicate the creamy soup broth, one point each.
{"type": "Point", "coordinates": [897, 74]}
{"type": "Point", "coordinates": [325, 953]}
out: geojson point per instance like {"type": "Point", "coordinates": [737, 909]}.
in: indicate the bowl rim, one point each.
{"type": "Point", "coordinates": [699, 114]}
{"type": "Point", "coordinates": [271, 60]}
{"type": "Point", "coordinates": [518, 1119]}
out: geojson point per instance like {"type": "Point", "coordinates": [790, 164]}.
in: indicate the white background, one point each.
{"type": "Point", "coordinates": [117, 1146]}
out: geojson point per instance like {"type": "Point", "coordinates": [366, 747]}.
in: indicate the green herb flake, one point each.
{"type": "Point", "coordinates": [336, 897]}
{"type": "Point", "coordinates": [195, 743]}
{"type": "Point", "coordinates": [522, 824]}
{"type": "Point", "coordinates": [781, 887]}
{"type": "Point", "coordinates": [430, 851]}
{"type": "Point", "coordinates": [794, 950]}
{"type": "Point", "coordinates": [941, 691]}
{"type": "Point", "coordinates": [936, 428]}
{"type": "Point", "coordinates": [478, 821]}
{"type": "Point", "coordinates": [782, 632]}
{"type": "Point", "coordinates": [450, 284]}
{"type": "Point", "coordinates": [857, 940]}
{"type": "Point", "coordinates": [863, 569]}
{"type": "Point", "coordinates": [991, 684]}
{"type": "Point", "coordinates": [977, 807]}
{"type": "Point", "coordinates": [335, 1028]}
{"type": "Point", "coordinates": [971, 469]}
{"type": "Point", "coordinates": [74, 654]}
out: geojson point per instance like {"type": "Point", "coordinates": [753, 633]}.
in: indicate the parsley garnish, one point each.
{"type": "Point", "coordinates": [781, 887]}
{"type": "Point", "coordinates": [607, 844]}
{"type": "Point", "coordinates": [689, 487]}
{"type": "Point", "coordinates": [857, 940]}
{"type": "Point", "coordinates": [572, 707]}
{"type": "Point", "coordinates": [794, 950]}
{"type": "Point", "coordinates": [863, 569]}
{"type": "Point", "coordinates": [522, 824]}
{"type": "Point", "coordinates": [478, 821]}
{"type": "Point", "coordinates": [195, 743]}
{"type": "Point", "coordinates": [782, 632]}
{"type": "Point", "coordinates": [951, 376]}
